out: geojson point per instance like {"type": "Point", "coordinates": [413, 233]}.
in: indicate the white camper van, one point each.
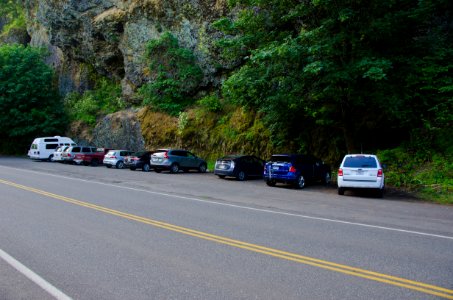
{"type": "Point", "coordinates": [43, 147]}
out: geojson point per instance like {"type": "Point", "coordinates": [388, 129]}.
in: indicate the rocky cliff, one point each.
{"type": "Point", "coordinates": [111, 36]}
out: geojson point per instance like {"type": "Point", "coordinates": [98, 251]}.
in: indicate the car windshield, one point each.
{"type": "Point", "coordinates": [281, 158]}
{"type": "Point", "coordinates": [360, 162]}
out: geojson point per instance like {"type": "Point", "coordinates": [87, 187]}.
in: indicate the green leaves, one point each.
{"type": "Point", "coordinates": [29, 102]}
{"type": "Point", "coordinates": [364, 72]}
{"type": "Point", "coordinates": [104, 99]}
{"type": "Point", "coordinates": [175, 75]}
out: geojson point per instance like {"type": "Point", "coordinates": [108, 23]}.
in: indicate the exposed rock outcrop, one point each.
{"type": "Point", "coordinates": [111, 36]}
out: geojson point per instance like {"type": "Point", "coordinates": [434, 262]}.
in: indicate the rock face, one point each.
{"type": "Point", "coordinates": [120, 130]}
{"type": "Point", "coordinates": [111, 36]}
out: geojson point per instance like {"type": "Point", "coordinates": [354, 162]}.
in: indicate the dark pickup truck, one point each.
{"type": "Point", "coordinates": [93, 159]}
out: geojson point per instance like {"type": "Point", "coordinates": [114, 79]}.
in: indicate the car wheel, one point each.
{"type": "Point", "coordinates": [174, 168]}
{"type": "Point", "coordinates": [146, 168]}
{"type": "Point", "coordinates": [119, 165]}
{"type": "Point", "coordinates": [380, 193]}
{"type": "Point", "coordinates": [241, 176]}
{"type": "Point", "coordinates": [202, 168]}
{"type": "Point", "coordinates": [340, 191]}
{"type": "Point", "coordinates": [300, 183]}
{"type": "Point", "coordinates": [270, 182]}
{"type": "Point", "coordinates": [221, 176]}
{"type": "Point", "coordinates": [50, 157]}
{"type": "Point", "coordinates": [326, 179]}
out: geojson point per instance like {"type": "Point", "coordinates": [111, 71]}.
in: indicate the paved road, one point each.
{"type": "Point", "coordinates": [98, 233]}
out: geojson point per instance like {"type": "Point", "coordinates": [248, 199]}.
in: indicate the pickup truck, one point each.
{"type": "Point", "coordinates": [93, 159]}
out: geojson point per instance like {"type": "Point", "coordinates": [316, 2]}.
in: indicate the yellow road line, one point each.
{"type": "Point", "coordinates": [375, 276]}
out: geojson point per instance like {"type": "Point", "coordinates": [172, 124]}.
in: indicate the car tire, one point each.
{"type": "Point", "coordinates": [340, 191]}
{"type": "Point", "coordinates": [270, 182]}
{"type": "Point", "coordinates": [241, 176]}
{"type": "Point", "coordinates": [119, 165]}
{"type": "Point", "coordinates": [146, 168]}
{"type": "Point", "coordinates": [380, 193]}
{"type": "Point", "coordinates": [174, 168]}
{"type": "Point", "coordinates": [327, 178]}
{"type": "Point", "coordinates": [221, 176]}
{"type": "Point", "coordinates": [202, 168]}
{"type": "Point", "coordinates": [50, 157]}
{"type": "Point", "coordinates": [300, 182]}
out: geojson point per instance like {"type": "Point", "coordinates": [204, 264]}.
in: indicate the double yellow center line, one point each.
{"type": "Point", "coordinates": [375, 276]}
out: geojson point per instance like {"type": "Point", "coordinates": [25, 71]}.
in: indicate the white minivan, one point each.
{"type": "Point", "coordinates": [43, 148]}
{"type": "Point", "coordinates": [360, 171]}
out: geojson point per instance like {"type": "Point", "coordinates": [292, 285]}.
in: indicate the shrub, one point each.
{"type": "Point", "coordinates": [175, 76]}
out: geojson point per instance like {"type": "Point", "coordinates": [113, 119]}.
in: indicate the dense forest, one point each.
{"type": "Point", "coordinates": [320, 76]}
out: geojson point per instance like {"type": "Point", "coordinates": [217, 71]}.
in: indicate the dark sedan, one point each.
{"type": "Point", "coordinates": [239, 166]}
{"type": "Point", "coordinates": [138, 160]}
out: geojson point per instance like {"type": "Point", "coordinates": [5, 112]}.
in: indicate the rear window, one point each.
{"type": "Point", "coordinates": [281, 158]}
{"type": "Point", "coordinates": [360, 162]}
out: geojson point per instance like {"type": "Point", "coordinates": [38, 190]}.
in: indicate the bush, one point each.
{"type": "Point", "coordinates": [175, 76]}
{"type": "Point", "coordinates": [429, 178]}
{"type": "Point", "coordinates": [104, 99]}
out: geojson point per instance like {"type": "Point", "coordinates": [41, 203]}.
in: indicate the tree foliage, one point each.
{"type": "Point", "coordinates": [29, 102]}
{"type": "Point", "coordinates": [175, 75]}
{"type": "Point", "coordinates": [105, 98]}
{"type": "Point", "coordinates": [337, 76]}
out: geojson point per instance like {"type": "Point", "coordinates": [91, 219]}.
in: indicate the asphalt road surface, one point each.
{"type": "Point", "coordinates": [96, 233]}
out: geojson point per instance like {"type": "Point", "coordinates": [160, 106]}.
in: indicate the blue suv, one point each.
{"type": "Point", "coordinates": [295, 169]}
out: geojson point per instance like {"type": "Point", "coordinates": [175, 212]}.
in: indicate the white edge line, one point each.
{"type": "Point", "coordinates": [244, 207]}
{"type": "Point", "coordinates": [49, 288]}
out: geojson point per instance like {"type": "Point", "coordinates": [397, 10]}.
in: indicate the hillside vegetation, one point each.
{"type": "Point", "coordinates": [322, 77]}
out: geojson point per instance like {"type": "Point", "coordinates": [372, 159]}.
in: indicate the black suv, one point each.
{"type": "Point", "coordinates": [138, 160]}
{"type": "Point", "coordinates": [295, 169]}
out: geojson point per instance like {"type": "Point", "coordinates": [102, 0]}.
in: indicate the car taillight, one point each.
{"type": "Point", "coordinates": [340, 172]}
{"type": "Point", "coordinates": [69, 154]}
{"type": "Point", "coordinates": [166, 155]}
{"type": "Point", "coordinates": [292, 169]}
{"type": "Point", "coordinates": [379, 173]}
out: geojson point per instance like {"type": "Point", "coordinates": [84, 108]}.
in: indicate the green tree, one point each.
{"type": "Point", "coordinates": [344, 74]}
{"type": "Point", "coordinates": [29, 103]}
{"type": "Point", "coordinates": [175, 75]}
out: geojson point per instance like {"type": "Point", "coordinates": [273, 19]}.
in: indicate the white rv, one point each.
{"type": "Point", "coordinates": [42, 148]}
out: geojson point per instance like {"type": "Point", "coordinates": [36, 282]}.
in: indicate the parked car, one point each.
{"type": "Point", "coordinates": [93, 158]}
{"type": "Point", "coordinates": [295, 169]}
{"type": "Point", "coordinates": [68, 155]}
{"type": "Point", "coordinates": [175, 160]}
{"type": "Point", "coordinates": [116, 158]}
{"type": "Point", "coordinates": [57, 153]}
{"type": "Point", "coordinates": [138, 160]}
{"type": "Point", "coordinates": [43, 148]}
{"type": "Point", "coordinates": [360, 171]}
{"type": "Point", "coordinates": [239, 166]}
